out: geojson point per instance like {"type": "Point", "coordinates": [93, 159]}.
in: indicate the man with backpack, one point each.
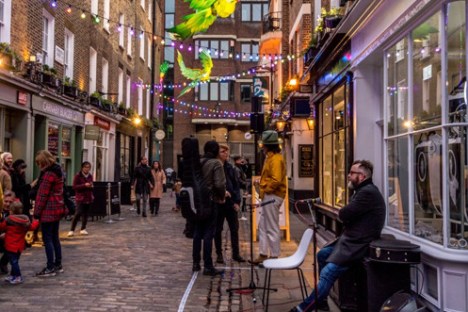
{"type": "Point", "coordinates": [215, 188]}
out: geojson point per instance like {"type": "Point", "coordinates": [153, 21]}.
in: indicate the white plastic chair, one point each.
{"type": "Point", "coordinates": [292, 262]}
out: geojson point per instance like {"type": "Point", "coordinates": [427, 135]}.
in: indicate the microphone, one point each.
{"type": "Point", "coordinates": [311, 200]}
{"type": "Point", "coordinates": [267, 202]}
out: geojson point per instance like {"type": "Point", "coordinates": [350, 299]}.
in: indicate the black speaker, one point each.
{"type": "Point", "coordinates": [257, 122]}
{"type": "Point", "coordinates": [300, 107]}
{"type": "Point", "coordinates": [256, 104]}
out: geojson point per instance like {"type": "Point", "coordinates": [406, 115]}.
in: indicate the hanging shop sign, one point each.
{"type": "Point", "coordinates": [102, 123]}
{"type": "Point", "coordinates": [92, 132]}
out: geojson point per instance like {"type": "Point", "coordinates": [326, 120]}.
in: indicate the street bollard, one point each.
{"type": "Point", "coordinates": [109, 204]}
{"type": "Point", "coordinates": [119, 218]}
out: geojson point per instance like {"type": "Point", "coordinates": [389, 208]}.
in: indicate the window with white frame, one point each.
{"type": "Point", "coordinates": [105, 77]}
{"type": "Point", "coordinates": [69, 52]}
{"type": "Point", "coordinates": [121, 86]}
{"type": "Point", "coordinates": [5, 20]}
{"type": "Point", "coordinates": [150, 12]}
{"type": "Point", "coordinates": [121, 30]}
{"type": "Point", "coordinates": [142, 3]}
{"type": "Point", "coordinates": [140, 97]}
{"type": "Point", "coordinates": [142, 44]}
{"type": "Point", "coordinates": [48, 28]}
{"type": "Point", "coordinates": [128, 91]}
{"type": "Point", "coordinates": [214, 91]}
{"type": "Point", "coordinates": [249, 52]}
{"type": "Point", "coordinates": [148, 103]}
{"type": "Point", "coordinates": [92, 70]}
{"type": "Point", "coordinates": [426, 129]}
{"type": "Point", "coordinates": [130, 34]}
{"type": "Point", "coordinates": [106, 16]}
{"type": "Point", "coordinates": [94, 6]}
{"type": "Point", "coordinates": [150, 44]}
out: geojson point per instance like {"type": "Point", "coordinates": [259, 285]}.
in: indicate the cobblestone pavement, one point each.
{"type": "Point", "coordinates": [143, 264]}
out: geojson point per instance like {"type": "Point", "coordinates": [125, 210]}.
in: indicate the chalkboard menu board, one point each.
{"type": "Point", "coordinates": [306, 160]}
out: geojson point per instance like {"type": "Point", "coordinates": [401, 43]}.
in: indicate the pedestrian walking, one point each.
{"type": "Point", "coordinates": [363, 219]}
{"type": "Point", "coordinates": [272, 187]}
{"type": "Point", "coordinates": [49, 208]}
{"type": "Point", "coordinates": [228, 210]}
{"type": "Point", "coordinates": [142, 184]}
{"type": "Point", "coordinates": [15, 226]}
{"type": "Point", "coordinates": [159, 178]}
{"type": "Point", "coordinates": [83, 187]}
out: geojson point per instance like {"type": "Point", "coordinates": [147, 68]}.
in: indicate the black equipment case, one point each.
{"type": "Point", "coordinates": [394, 251]}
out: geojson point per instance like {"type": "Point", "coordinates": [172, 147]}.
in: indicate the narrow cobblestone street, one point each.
{"type": "Point", "coordinates": [143, 264]}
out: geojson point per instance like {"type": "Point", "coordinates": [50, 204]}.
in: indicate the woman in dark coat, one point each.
{"type": "Point", "coordinates": [20, 187]}
{"type": "Point", "coordinates": [83, 187]}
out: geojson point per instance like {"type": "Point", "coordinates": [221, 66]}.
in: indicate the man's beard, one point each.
{"type": "Point", "coordinates": [351, 185]}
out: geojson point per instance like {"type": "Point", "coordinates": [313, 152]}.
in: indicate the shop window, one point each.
{"type": "Point", "coordinates": [124, 156]}
{"type": "Point", "coordinates": [66, 142]}
{"type": "Point", "coordinates": [437, 156]}
{"type": "Point", "coordinates": [397, 88]}
{"type": "Point", "coordinates": [53, 139]}
{"type": "Point", "coordinates": [427, 74]}
{"type": "Point", "coordinates": [334, 146]}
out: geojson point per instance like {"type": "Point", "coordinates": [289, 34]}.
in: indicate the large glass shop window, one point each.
{"type": "Point", "coordinates": [427, 154]}
{"type": "Point", "coordinates": [53, 139]}
{"type": "Point", "coordinates": [334, 145]}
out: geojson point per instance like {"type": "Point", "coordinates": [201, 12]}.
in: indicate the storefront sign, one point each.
{"type": "Point", "coordinates": [259, 86]}
{"type": "Point", "coordinates": [102, 123]}
{"type": "Point", "coordinates": [57, 110]}
{"type": "Point", "coordinates": [92, 132]}
{"type": "Point", "coordinates": [306, 160]}
{"type": "Point", "coordinates": [22, 98]}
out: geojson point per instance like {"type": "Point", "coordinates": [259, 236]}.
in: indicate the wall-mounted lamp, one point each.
{"type": "Point", "coordinates": [137, 120]}
{"type": "Point", "coordinates": [310, 123]}
{"type": "Point", "coordinates": [280, 124]}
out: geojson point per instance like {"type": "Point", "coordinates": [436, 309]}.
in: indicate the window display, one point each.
{"type": "Point", "coordinates": [432, 144]}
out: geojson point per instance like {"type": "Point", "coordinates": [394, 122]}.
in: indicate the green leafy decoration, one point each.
{"type": "Point", "coordinates": [197, 75]}
{"type": "Point", "coordinates": [206, 12]}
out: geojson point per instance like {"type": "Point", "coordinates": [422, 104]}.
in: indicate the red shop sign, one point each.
{"type": "Point", "coordinates": [103, 124]}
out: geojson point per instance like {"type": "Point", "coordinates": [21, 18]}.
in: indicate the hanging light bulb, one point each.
{"type": "Point", "coordinates": [162, 41]}
{"type": "Point", "coordinates": [96, 19]}
{"type": "Point", "coordinates": [132, 32]}
{"type": "Point", "coordinates": [141, 35]}
{"type": "Point", "coordinates": [83, 15]}
{"type": "Point", "coordinates": [119, 28]}
{"type": "Point", "coordinates": [54, 3]}
{"type": "Point", "coordinates": [69, 9]}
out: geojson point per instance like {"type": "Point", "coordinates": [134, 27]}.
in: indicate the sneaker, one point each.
{"type": "Point", "coordinates": [212, 272]}
{"type": "Point", "coordinates": [70, 234]}
{"type": "Point", "coordinates": [219, 259]}
{"type": "Point", "coordinates": [8, 278]}
{"type": "Point", "coordinates": [259, 260]}
{"type": "Point", "coordinates": [196, 267]}
{"type": "Point", "coordinates": [16, 280]}
{"type": "Point", "coordinates": [84, 232]}
{"type": "Point", "coordinates": [59, 268]}
{"type": "Point", "coordinates": [46, 273]}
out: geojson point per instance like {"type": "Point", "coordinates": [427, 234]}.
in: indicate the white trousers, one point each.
{"type": "Point", "coordinates": [268, 227]}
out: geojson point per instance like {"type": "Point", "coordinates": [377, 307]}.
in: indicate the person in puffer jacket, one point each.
{"type": "Point", "coordinates": [49, 208]}
{"type": "Point", "coordinates": [15, 226]}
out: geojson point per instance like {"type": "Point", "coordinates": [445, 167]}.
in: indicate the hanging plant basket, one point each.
{"type": "Point", "coordinates": [332, 21]}
{"type": "Point", "coordinates": [70, 91]}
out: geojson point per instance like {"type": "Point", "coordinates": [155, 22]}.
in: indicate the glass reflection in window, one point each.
{"type": "Point", "coordinates": [427, 67]}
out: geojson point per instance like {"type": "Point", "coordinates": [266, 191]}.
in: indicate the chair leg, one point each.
{"type": "Point", "coordinates": [303, 283]}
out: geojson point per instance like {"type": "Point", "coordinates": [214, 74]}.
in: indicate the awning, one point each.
{"type": "Point", "coordinates": [220, 121]}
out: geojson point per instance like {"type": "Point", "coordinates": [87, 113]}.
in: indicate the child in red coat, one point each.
{"type": "Point", "coordinates": [15, 226]}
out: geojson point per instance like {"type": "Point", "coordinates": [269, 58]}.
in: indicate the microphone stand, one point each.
{"type": "Point", "coordinates": [252, 287]}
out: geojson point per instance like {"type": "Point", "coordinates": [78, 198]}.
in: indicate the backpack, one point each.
{"type": "Point", "coordinates": [195, 196]}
